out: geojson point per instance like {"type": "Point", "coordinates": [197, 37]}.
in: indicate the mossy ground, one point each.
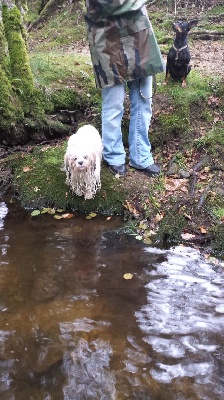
{"type": "Point", "coordinates": [39, 180]}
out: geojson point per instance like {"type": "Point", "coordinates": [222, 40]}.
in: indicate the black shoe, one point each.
{"type": "Point", "coordinates": [118, 169]}
{"type": "Point", "coordinates": [152, 170]}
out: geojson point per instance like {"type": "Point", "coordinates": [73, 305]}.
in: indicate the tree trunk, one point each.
{"type": "Point", "coordinates": [10, 106]}
{"type": "Point", "coordinates": [46, 12]}
{"type": "Point", "coordinates": [22, 78]}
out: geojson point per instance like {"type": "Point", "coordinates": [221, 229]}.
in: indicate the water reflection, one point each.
{"type": "Point", "coordinates": [72, 328]}
{"type": "Point", "coordinates": [3, 213]}
{"type": "Point", "coordinates": [182, 320]}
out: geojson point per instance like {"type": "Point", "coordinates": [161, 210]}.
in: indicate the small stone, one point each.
{"type": "Point", "coordinates": [172, 170]}
{"type": "Point", "coordinates": [184, 174]}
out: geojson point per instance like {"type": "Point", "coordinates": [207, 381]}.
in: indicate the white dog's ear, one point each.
{"type": "Point", "coordinates": [93, 161]}
{"type": "Point", "coordinates": [66, 162]}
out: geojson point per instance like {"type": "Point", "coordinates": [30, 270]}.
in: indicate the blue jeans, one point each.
{"type": "Point", "coordinates": [140, 92]}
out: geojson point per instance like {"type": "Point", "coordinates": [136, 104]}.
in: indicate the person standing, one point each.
{"type": "Point", "coordinates": [124, 53]}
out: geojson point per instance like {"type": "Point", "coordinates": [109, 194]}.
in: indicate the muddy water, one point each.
{"type": "Point", "coordinates": [72, 328]}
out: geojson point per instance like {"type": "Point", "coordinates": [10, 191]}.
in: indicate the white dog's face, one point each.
{"type": "Point", "coordinates": [80, 161]}
{"type": "Point", "coordinates": [83, 149]}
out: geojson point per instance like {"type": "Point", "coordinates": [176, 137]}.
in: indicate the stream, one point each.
{"type": "Point", "coordinates": [73, 328]}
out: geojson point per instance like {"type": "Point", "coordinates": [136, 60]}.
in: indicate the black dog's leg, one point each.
{"type": "Point", "coordinates": [187, 69]}
{"type": "Point", "coordinates": [167, 77]}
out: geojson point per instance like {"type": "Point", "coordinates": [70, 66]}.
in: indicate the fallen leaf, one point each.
{"type": "Point", "coordinates": [203, 178]}
{"type": "Point", "coordinates": [51, 211]}
{"type": "Point", "coordinates": [214, 101]}
{"type": "Point", "coordinates": [207, 169]}
{"type": "Point", "coordinates": [138, 237]}
{"type": "Point", "coordinates": [143, 226]}
{"type": "Point", "coordinates": [159, 217]}
{"type": "Point", "coordinates": [176, 184]}
{"type": "Point", "coordinates": [128, 276]}
{"type": "Point", "coordinates": [26, 169]}
{"type": "Point", "coordinates": [187, 236]}
{"type": "Point", "coordinates": [91, 215]}
{"type": "Point", "coordinates": [67, 215]}
{"type": "Point", "coordinates": [187, 216]}
{"type": "Point", "coordinates": [45, 210]}
{"type": "Point", "coordinates": [203, 230]}
{"type": "Point", "coordinates": [131, 209]}
{"type": "Point", "coordinates": [34, 213]}
{"type": "Point", "coordinates": [147, 241]}
{"type": "Point", "coordinates": [56, 216]}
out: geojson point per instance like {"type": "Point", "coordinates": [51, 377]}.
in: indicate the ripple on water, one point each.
{"type": "Point", "coordinates": [3, 213]}
{"type": "Point", "coordinates": [183, 318]}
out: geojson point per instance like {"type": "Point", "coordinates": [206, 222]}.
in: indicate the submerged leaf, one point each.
{"type": "Point", "coordinates": [77, 229]}
{"type": "Point", "coordinates": [56, 216]}
{"type": "Point", "coordinates": [128, 276]}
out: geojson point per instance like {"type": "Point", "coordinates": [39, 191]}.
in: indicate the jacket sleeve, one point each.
{"type": "Point", "coordinates": [118, 7]}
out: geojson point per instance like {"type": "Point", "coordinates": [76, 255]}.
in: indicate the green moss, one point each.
{"type": "Point", "coordinates": [66, 99]}
{"type": "Point", "coordinates": [40, 182]}
{"type": "Point", "coordinates": [10, 109]}
{"type": "Point", "coordinates": [3, 55]}
{"type": "Point", "coordinates": [217, 243]}
{"type": "Point", "coordinates": [22, 78]}
{"type": "Point", "coordinates": [170, 228]}
{"type": "Point", "coordinates": [70, 85]}
{"type": "Point", "coordinates": [174, 124]}
{"type": "Point", "coordinates": [213, 140]}
{"type": "Point", "coordinates": [188, 107]}
{"type": "Point", "coordinates": [218, 212]}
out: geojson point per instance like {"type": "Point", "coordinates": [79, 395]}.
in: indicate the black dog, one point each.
{"type": "Point", "coordinates": [178, 57]}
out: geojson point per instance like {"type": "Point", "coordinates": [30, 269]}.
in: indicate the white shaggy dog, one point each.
{"type": "Point", "coordinates": [82, 161]}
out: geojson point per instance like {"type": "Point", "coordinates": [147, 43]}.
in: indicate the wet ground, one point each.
{"type": "Point", "coordinates": [72, 328]}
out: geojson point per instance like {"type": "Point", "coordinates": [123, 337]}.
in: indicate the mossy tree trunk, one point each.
{"type": "Point", "coordinates": [23, 107]}
{"type": "Point", "coordinates": [16, 80]}
{"type": "Point", "coordinates": [10, 106]}
{"type": "Point", "coordinates": [22, 78]}
{"type": "Point", "coordinates": [47, 9]}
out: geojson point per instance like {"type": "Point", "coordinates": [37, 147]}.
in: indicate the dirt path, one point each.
{"type": "Point", "coordinates": [208, 56]}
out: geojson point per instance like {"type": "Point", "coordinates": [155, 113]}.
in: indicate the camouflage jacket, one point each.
{"type": "Point", "coordinates": [122, 42]}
